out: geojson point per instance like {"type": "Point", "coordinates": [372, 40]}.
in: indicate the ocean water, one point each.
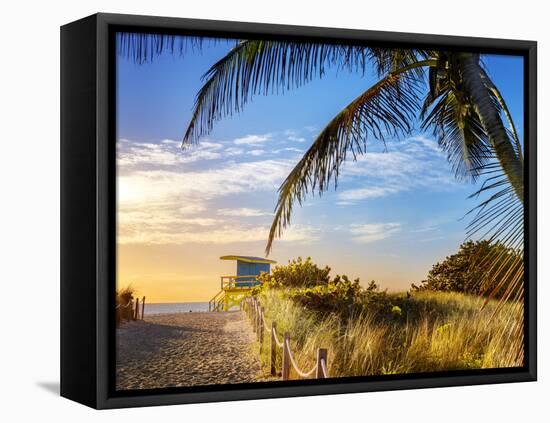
{"type": "Point", "coordinates": [164, 308]}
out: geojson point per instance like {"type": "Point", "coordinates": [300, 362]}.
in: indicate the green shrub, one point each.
{"type": "Point", "coordinates": [338, 295]}
{"type": "Point", "coordinates": [298, 273]}
{"type": "Point", "coordinates": [311, 287]}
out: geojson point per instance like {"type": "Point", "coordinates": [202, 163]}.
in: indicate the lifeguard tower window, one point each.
{"type": "Point", "coordinates": [247, 273]}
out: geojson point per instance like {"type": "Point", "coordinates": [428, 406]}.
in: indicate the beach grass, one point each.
{"type": "Point", "coordinates": [423, 332]}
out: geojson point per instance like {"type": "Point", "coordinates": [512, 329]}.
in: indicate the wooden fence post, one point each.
{"type": "Point", "coordinates": [258, 320]}
{"type": "Point", "coordinates": [286, 357]}
{"type": "Point", "coordinates": [255, 317]}
{"type": "Point", "coordinates": [321, 355]}
{"type": "Point", "coordinates": [273, 357]}
{"type": "Point", "coordinates": [142, 307]}
{"type": "Point", "coordinates": [261, 326]}
{"type": "Point", "coordinates": [136, 311]}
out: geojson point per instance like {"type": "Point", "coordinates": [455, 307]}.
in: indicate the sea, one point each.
{"type": "Point", "coordinates": [164, 308]}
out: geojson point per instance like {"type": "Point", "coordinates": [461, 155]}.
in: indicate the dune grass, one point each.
{"type": "Point", "coordinates": [423, 332]}
{"type": "Point", "coordinates": [124, 303]}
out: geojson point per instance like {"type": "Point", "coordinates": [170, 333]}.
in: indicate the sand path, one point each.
{"type": "Point", "coordinates": [186, 349]}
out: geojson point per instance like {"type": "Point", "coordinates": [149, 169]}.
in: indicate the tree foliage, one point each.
{"type": "Point", "coordinates": [298, 273]}
{"type": "Point", "coordinates": [464, 271]}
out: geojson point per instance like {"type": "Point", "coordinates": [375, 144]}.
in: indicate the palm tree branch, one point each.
{"type": "Point", "coordinates": [257, 67]}
{"type": "Point", "coordinates": [496, 92]}
{"type": "Point", "coordinates": [387, 108]}
{"type": "Point", "coordinates": [141, 47]}
{"type": "Point", "coordinates": [475, 87]}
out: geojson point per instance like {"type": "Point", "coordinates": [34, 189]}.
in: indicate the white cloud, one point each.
{"type": "Point", "coordinates": [179, 187]}
{"type": "Point", "coordinates": [191, 208]}
{"type": "Point", "coordinates": [256, 152]}
{"type": "Point", "coordinates": [415, 163]}
{"type": "Point", "coordinates": [293, 136]}
{"type": "Point", "coordinates": [252, 139]}
{"type": "Point", "coordinates": [173, 204]}
{"type": "Point", "coordinates": [166, 232]}
{"type": "Point", "coordinates": [291, 149]}
{"type": "Point", "coordinates": [352, 195]}
{"type": "Point", "coordinates": [233, 151]}
{"type": "Point", "coordinates": [243, 212]}
{"type": "Point", "coordinates": [165, 153]}
{"type": "Point", "coordinates": [371, 232]}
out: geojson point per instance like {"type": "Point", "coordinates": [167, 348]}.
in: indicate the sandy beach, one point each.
{"type": "Point", "coordinates": [186, 349]}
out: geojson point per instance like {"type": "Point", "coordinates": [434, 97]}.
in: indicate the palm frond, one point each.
{"type": "Point", "coordinates": [475, 86]}
{"type": "Point", "coordinates": [262, 67]}
{"type": "Point", "coordinates": [499, 218]}
{"type": "Point", "coordinates": [458, 130]}
{"type": "Point", "coordinates": [143, 47]}
{"type": "Point", "coordinates": [453, 117]}
{"type": "Point", "coordinates": [387, 60]}
{"type": "Point", "coordinates": [499, 99]}
{"type": "Point", "coordinates": [385, 109]}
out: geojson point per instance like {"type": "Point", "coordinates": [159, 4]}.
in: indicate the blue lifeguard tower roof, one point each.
{"type": "Point", "coordinates": [248, 259]}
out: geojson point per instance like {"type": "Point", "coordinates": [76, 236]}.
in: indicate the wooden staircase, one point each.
{"type": "Point", "coordinates": [217, 302]}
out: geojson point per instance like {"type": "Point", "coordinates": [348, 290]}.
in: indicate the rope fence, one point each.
{"type": "Point", "coordinates": [256, 314]}
{"type": "Point", "coordinates": [130, 311]}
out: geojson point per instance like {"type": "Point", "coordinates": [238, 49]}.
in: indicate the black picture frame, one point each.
{"type": "Point", "coordinates": [88, 200]}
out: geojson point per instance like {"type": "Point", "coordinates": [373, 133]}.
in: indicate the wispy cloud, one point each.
{"type": "Point", "coordinates": [257, 152]}
{"type": "Point", "coordinates": [294, 136]}
{"type": "Point", "coordinates": [415, 163]}
{"type": "Point", "coordinates": [352, 195]}
{"type": "Point", "coordinates": [170, 202]}
{"type": "Point", "coordinates": [163, 230]}
{"type": "Point", "coordinates": [243, 212]}
{"type": "Point", "coordinates": [252, 139]}
{"type": "Point", "coordinates": [164, 153]}
{"type": "Point", "coordinates": [290, 149]}
{"type": "Point", "coordinates": [180, 186]}
{"type": "Point", "coordinates": [233, 151]}
{"type": "Point", "coordinates": [371, 232]}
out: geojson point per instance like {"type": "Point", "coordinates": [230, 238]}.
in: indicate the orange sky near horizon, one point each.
{"type": "Point", "coordinates": [190, 273]}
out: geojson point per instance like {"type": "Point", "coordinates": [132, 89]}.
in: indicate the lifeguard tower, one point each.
{"type": "Point", "coordinates": [234, 288]}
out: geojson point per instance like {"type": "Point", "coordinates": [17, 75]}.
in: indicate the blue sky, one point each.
{"type": "Point", "coordinates": [395, 213]}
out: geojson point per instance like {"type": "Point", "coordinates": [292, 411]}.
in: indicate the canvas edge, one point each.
{"type": "Point", "coordinates": [104, 223]}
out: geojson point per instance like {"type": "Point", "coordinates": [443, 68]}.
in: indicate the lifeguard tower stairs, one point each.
{"type": "Point", "coordinates": [233, 289]}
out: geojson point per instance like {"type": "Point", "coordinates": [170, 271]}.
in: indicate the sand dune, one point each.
{"type": "Point", "coordinates": [186, 349]}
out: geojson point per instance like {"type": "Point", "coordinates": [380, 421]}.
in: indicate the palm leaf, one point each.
{"type": "Point", "coordinates": [500, 219]}
{"type": "Point", "coordinates": [385, 109]}
{"type": "Point", "coordinates": [499, 99]}
{"type": "Point", "coordinates": [458, 130]}
{"type": "Point", "coordinates": [262, 67]}
{"type": "Point", "coordinates": [144, 47]}
{"type": "Point", "coordinates": [453, 116]}
{"type": "Point", "coordinates": [475, 87]}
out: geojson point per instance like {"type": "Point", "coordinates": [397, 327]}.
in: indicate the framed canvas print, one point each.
{"type": "Point", "coordinates": [258, 211]}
